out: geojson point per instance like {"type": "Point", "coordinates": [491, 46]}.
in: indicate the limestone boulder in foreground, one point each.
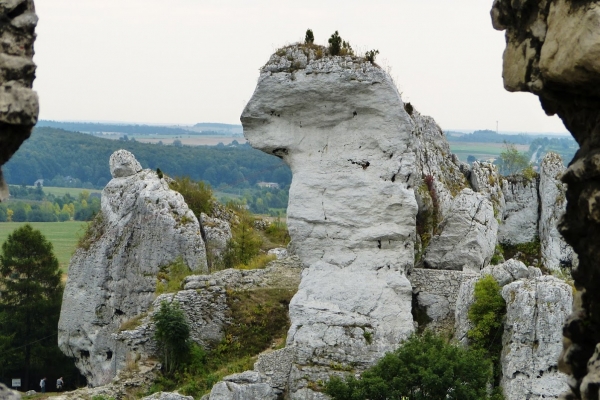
{"type": "Point", "coordinates": [340, 124]}
{"type": "Point", "coordinates": [142, 226]}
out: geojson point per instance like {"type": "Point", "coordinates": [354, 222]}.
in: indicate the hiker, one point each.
{"type": "Point", "coordinates": [59, 384]}
{"type": "Point", "coordinates": [43, 384]}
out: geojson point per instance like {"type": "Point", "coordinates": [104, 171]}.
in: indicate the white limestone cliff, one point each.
{"type": "Point", "coordinates": [340, 124]}
{"type": "Point", "coordinates": [520, 216]}
{"type": "Point", "coordinates": [142, 226]}
{"type": "Point", "coordinates": [556, 252]}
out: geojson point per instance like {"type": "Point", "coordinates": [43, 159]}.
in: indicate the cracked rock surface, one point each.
{"type": "Point", "coordinates": [142, 226]}
{"type": "Point", "coordinates": [19, 106]}
{"type": "Point", "coordinates": [340, 124]}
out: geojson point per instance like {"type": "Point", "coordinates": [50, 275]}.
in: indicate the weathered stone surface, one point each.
{"type": "Point", "coordinates": [341, 126]}
{"type": "Point", "coordinates": [468, 235]}
{"type": "Point", "coordinates": [556, 252]}
{"type": "Point", "coordinates": [123, 164]}
{"type": "Point", "coordinates": [536, 309]}
{"type": "Point", "coordinates": [143, 226]}
{"type": "Point", "coordinates": [218, 233]}
{"type": "Point", "coordinates": [486, 180]}
{"type": "Point", "coordinates": [562, 69]}
{"type": "Point", "coordinates": [19, 106]}
{"type": "Point", "coordinates": [8, 394]}
{"type": "Point", "coordinates": [436, 292]}
{"type": "Point", "coordinates": [509, 271]}
{"type": "Point", "coordinates": [276, 365]}
{"type": "Point", "coordinates": [520, 217]}
{"type": "Point", "coordinates": [243, 386]}
{"type": "Point", "coordinates": [167, 396]}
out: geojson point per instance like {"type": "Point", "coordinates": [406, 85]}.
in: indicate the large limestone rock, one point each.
{"type": "Point", "coordinates": [8, 394]}
{"type": "Point", "coordinates": [556, 252]}
{"type": "Point", "coordinates": [486, 179]}
{"type": "Point", "coordinates": [468, 235]}
{"type": "Point", "coordinates": [536, 310]}
{"type": "Point", "coordinates": [340, 124]}
{"type": "Point", "coordinates": [142, 226]}
{"type": "Point", "coordinates": [521, 214]}
{"type": "Point", "coordinates": [18, 103]}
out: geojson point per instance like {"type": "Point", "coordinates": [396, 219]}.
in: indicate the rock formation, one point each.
{"type": "Point", "coordinates": [142, 226]}
{"type": "Point", "coordinates": [552, 51]}
{"type": "Point", "coordinates": [556, 252]}
{"type": "Point", "coordinates": [7, 394]}
{"type": "Point", "coordinates": [520, 219]}
{"type": "Point", "coordinates": [18, 103]}
{"type": "Point", "coordinates": [531, 341]}
{"type": "Point", "coordinates": [340, 124]}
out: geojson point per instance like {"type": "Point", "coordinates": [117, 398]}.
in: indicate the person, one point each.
{"type": "Point", "coordinates": [59, 384]}
{"type": "Point", "coordinates": [43, 384]}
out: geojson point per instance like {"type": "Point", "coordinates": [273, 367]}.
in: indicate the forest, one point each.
{"type": "Point", "coordinates": [56, 154]}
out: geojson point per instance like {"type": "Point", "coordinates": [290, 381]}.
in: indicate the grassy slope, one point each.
{"type": "Point", "coordinates": [62, 235]}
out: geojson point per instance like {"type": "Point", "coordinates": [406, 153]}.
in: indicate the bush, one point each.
{"type": "Point", "coordinates": [197, 195]}
{"type": "Point", "coordinates": [370, 55]}
{"type": "Point", "coordinates": [309, 38]}
{"type": "Point", "coordinates": [171, 276]}
{"type": "Point", "coordinates": [487, 315]}
{"type": "Point", "coordinates": [172, 335]}
{"type": "Point", "coordinates": [424, 367]}
{"type": "Point", "coordinates": [244, 244]}
{"type": "Point", "coordinates": [335, 44]}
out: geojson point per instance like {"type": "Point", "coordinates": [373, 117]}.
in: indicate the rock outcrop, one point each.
{"type": "Point", "coordinates": [520, 219]}
{"type": "Point", "coordinates": [19, 106]}
{"type": "Point", "coordinates": [556, 253]}
{"type": "Point", "coordinates": [531, 341]}
{"type": "Point", "coordinates": [552, 51]}
{"type": "Point", "coordinates": [143, 226]}
{"type": "Point", "coordinates": [8, 394]}
{"type": "Point", "coordinates": [468, 235]}
{"type": "Point", "coordinates": [340, 124]}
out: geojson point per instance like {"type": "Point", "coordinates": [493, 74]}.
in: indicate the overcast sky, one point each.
{"type": "Point", "coordinates": [189, 61]}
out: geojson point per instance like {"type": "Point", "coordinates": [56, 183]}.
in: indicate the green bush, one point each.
{"type": "Point", "coordinates": [309, 38]}
{"type": "Point", "coordinates": [424, 367]}
{"type": "Point", "coordinates": [172, 335]}
{"type": "Point", "coordinates": [171, 276]}
{"type": "Point", "coordinates": [197, 195]}
{"type": "Point", "coordinates": [335, 44]}
{"type": "Point", "coordinates": [244, 244]}
{"type": "Point", "coordinates": [370, 55]}
{"type": "Point", "coordinates": [498, 255]}
{"type": "Point", "coordinates": [487, 316]}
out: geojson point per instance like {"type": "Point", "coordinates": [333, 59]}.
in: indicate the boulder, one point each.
{"type": "Point", "coordinates": [217, 233]}
{"type": "Point", "coordinates": [468, 235]}
{"type": "Point", "coordinates": [142, 226]}
{"type": "Point", "coordinates": [123, 163]}
{"type": "Point", "coordinates": [556, 253]}
{"type": "Point", "coordinates": [340, 124]}
{"type": "Point", "coordinates": [486, 179]}
{"type": "Point", "coordinates": [536, 310]}
{"type": "Point", "coordinates": [520, 218]}
{"type": "Point", "coordinates": [167, 396]}
{"type": "Point", "coordinates": [8, 394]}
{"type": "Point", "coordinates": [19, 106]}
{"type": "Point", "coordinates": [243, 386]}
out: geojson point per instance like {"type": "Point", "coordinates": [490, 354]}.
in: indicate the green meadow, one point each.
{"type": "Point", "coordinates": [61, 191]}
{"type": "Point", "coordinates": [62, 235]}
{"type": "Point", "coordinates": [481, 151]}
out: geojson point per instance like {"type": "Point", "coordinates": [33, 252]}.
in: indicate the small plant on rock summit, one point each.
{"type": "Point", "coordinates": [335, 44]}
{"type": "Point", "coordinates": [309, 38]}
{"type": "Point", "coordinates": [370, 56]}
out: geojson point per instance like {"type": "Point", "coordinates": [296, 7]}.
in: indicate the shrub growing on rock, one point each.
{"type": "Point", "coordinates": [309, 38]}
{"type": "Point", "coordinates": [424, 367]}
{"type": "Point", "coordinates": [487, 315]}
{"type": "Point", "coordinates": [370, 55]}
{"type": "Point", "coordinates": [335, 44]}
{"type": "Point", "coordinates": [197, 195]}
{"type": "Point", "coordinates": [172, 335]}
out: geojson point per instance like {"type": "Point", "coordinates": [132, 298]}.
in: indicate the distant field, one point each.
{"type": "Point", "coordinates": [60, 191]}
{"type": "Point", "coordinates": [62, 235]}
{"type": "Point", "coordinates": [191, 140]}
{"type": "Point", "coordinates": [481, 150]}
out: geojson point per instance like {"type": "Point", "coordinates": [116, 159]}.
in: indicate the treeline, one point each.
{"type": "Point", "coordinates": [90, 127]}
{"type": "Point", "coordinates": [488, 136]}
{"type": "Point", "coordinates": [565, 147]}
{"type": "Point", "coordinates": [53, 153]}
{"type": "Point", "coordinates": [33, 205]}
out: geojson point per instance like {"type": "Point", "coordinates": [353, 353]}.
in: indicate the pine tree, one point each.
{"type": "Point", "coordinates": [30, 300]}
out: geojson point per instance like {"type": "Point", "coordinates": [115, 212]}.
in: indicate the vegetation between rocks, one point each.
{"type": "Point", "coordinates": [424, 367]}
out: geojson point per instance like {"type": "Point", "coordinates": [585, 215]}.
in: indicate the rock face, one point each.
{"type": "Point", "coordinates": [7, 394]}
{"type": "Point", "coordinates": [340, 124]}
{"type": "Point", "coordinates": [556, 252]}
{"type": "Point", "coordinates": [468, 235]}
{"type": "Point", "coordinates": [521, 212]}
{"type": "Point", "coordinates": [552, 51]}
{"type": "Point", "coordinates": [531, 342]}
{"type": "Point", "coordinates": [19, 106]}
{"type": "Point", "coordinates": [143, 226]}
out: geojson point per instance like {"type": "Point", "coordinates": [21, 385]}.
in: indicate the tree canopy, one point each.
{"type": "Point", "coordinates": [30, 301]}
